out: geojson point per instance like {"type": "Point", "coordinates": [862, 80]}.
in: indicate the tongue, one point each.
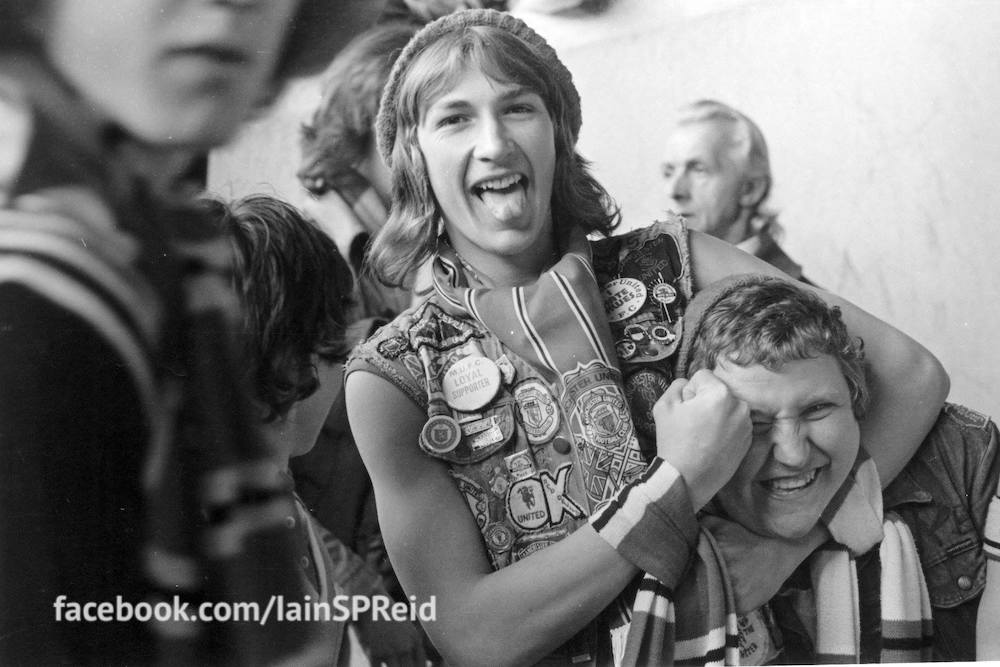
{"type": "Point", "coordinates": [505, 204]}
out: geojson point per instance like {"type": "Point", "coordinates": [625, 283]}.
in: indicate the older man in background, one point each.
{"type": "Point", "coordinates": [718, 177]}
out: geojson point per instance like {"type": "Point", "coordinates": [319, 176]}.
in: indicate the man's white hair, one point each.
{"type": "Point", "coordinates": [749, 149]}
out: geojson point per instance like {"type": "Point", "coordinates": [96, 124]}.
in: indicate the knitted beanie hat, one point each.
{"type": "Point", "coordinates": [701, 304]}
{"type": "Point", "coordinates": [385, 124]}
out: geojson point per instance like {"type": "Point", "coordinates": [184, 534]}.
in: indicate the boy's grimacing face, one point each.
{"type": "Point", "coordinates": [805, 442]}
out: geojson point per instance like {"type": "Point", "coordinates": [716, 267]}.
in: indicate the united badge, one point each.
{"type": "Point", "coordinates": [605, 417]}
{"type": "Point", "coordinates": [537, 408]}
{"type": "Point", "coordinates": [499, 537]}
{"type": "Point", "coordinates": [623, 297]}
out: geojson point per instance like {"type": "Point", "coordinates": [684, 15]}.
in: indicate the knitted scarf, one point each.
{"type": "Point", "coordinates": [558, 326]}
{"type": "Point", "coordinates": [107, 240]}
{"type": "Point", "coordinates": [697, 623]}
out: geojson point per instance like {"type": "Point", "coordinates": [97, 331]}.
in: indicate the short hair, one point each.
{"type": "Point", "coordinates": [770, 321]}
{"type": "Point", "coordinates": [296, 291]}
{"type": "Point", "coordinates": [749, 145]}
{"type": "Point", "coordinates": [410, 235]}
{"type": "Point", "coordinates": [341, 131]}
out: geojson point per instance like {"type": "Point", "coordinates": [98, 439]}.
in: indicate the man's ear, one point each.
{"type": "Point", "coordinates": [753, 190]}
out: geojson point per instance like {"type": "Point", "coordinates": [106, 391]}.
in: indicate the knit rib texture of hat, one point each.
{"type": "Point", "coordinates": [385, 124]}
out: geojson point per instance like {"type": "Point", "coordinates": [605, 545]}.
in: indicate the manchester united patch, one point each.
{"type": "Point", "coordinates": [537, 410]}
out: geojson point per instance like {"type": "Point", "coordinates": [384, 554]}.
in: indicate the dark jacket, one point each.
{"type": "Point", "coordinates": [121, 402]}
{"type": "Point", "coordinates": [943, 495]}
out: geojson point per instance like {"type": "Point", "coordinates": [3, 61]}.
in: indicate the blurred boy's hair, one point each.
{"type": "Point", "coordinates": [296, 291]}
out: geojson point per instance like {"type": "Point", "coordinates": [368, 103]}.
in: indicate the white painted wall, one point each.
{"type": "Point", "coordinates": [883, 119]}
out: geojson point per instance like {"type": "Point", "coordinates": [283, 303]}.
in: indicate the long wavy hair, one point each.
{"type": "Point", "coordinates": [341, 131]}
{"type": "Point", "coordinates": [410, 235]}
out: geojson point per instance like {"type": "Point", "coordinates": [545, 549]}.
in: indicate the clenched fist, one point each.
{"type": "Point", "coordinates": [703, 431]}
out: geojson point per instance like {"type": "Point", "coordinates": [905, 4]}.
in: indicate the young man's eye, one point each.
{"type": "Point", "coordinates": [818, 410]}
{"type": "Point", "coordinates": [520, 108]}
{"type": "Point", "coordinates": [454, 119]}
{"type": "Point", "coordinates": [761, 427]}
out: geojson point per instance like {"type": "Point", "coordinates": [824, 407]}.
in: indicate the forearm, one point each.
{"type": "Point", "coordinates": [908, 384]}
{"type": "Point", "coordinates": [908, 388]}
{"type": "Point", "coordinates": [517, 614]}
{"type": "Point", "coordinates": [521, 613]}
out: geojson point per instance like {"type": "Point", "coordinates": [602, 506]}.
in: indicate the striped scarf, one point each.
{"type": "Point", "coordinates": [558, 326]}
{"type": "Point", "coordinates": [697, 623]}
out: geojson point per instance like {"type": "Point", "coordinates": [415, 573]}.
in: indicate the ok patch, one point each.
{"type": "Point", "coordinates": [542, 500]}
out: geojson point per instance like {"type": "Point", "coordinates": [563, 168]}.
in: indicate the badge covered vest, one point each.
{"type": "Point", "coordinates": [514, 453]}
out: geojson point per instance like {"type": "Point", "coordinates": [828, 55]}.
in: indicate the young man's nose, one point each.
{"type": "Point", "coordinates": [790, 446]}
{"type": "Point", "coordinates": [492, 140]}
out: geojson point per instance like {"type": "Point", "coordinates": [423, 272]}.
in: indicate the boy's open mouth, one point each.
{"type": "Point", "coordinates": [789, 485]}
{"type": "Point", "coordinates": [501, 185]}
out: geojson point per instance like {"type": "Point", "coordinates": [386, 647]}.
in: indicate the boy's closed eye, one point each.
{"type": "Point", "coordinates": [761, 425]}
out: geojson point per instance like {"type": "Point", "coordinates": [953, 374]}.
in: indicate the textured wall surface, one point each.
{"type": "Point", "coordinates": [882, 120]}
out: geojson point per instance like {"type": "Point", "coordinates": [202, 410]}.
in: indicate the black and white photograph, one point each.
{"type": "Point", "coordinates": [418, 333]}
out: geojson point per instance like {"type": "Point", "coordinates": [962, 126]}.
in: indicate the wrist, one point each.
{"type": "Point", "coordinates": [651, 522]}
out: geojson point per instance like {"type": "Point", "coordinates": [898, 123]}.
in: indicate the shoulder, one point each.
{"type": "Point", "coordinates": [389, 342]}
{"type": "Point", "coordinates": [672, 226]}
{"type": "Point", "coordinates": [62, 249]}
{"type": "Point", "coordinates": [391, 353]}
{"type": "Point", "coordinates": [667, 239]}
{"type": "Point", "coordinates": [960, 449]}
{"type": "Point", "coordinates": [944, 493]}
{"type": "Point", "coordinates": [81, 267]}
{"type": "Point", "coordinates": [962, 438]}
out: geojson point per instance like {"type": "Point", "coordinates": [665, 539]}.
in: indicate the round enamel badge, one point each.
{"type": "Point", "coordinates": [626, 349]}
{"type": "Point", "coordinates": [538, 411]}
{"type": "Point", "coordinates": [664, 293]}
{"type": "Point", "coordinates": [623, 297]}
{"type": "Point", "coordinates": [440, 434]}
{"type": "Point", "coordinates": [471, 383]}
{"type": "Point", "coordinates": [499, 537]}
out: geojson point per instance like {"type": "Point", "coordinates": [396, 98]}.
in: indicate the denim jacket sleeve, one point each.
{"type": "Point", "coordinates": [943, 495]}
